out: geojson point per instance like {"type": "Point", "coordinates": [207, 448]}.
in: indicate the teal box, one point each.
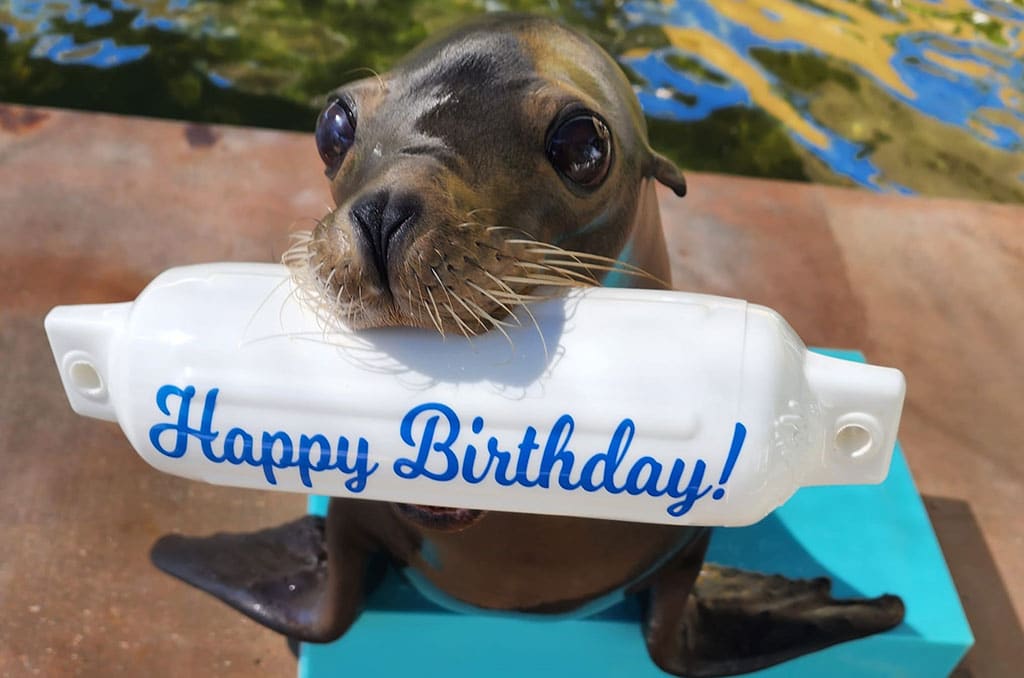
{"type": "Point", "coordinates": [869, 540]}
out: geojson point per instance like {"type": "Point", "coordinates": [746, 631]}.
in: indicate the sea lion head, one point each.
{"type": "Point", "coordinates": [490, 165]}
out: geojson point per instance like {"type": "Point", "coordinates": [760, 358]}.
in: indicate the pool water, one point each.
{"type": "Point", "coordinates": [906, 96]}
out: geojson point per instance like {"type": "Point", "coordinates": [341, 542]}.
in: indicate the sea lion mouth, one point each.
{"type": "Point", "coordinates": [439, 517]}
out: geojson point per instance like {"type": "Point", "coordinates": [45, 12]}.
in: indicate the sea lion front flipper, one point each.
{"type": "Point", "coordinates": [279, 577]}
{"type": "Point", "coordinates": [737, 622]}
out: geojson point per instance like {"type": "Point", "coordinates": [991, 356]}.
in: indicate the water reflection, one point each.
{"type": "Point", "coordinates": [907, 96]}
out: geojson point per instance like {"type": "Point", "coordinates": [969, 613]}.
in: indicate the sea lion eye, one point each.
{"type": "Point", "coordinates": [335, 134]}
{"type": "Point", "coordinates": [580, 149]}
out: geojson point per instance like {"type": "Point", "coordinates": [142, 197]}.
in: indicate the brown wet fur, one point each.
{"type": "Point", "coordinates": [460, 127]}
{"type": "Point", "coordinates": [470, 258]}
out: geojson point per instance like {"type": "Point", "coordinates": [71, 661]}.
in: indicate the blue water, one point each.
{"type": "Point", "coordinates": [929, 89]}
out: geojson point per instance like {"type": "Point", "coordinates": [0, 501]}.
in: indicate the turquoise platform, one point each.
{"type": "Point", "coordinates": [869, 540]}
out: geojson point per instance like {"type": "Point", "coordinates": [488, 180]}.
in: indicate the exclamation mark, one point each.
{"type": "Point", "coordinates": [738, 436]}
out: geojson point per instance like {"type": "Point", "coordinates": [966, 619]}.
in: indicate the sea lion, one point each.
{"type": "Point", "coordinates": [489, 168]}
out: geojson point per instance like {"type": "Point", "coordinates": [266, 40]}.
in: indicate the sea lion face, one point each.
{"type": "Point", "coordinates": [503, 159]}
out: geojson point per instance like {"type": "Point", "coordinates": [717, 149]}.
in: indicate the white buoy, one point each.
{"type": "Point", "coordinates": [637, 405]}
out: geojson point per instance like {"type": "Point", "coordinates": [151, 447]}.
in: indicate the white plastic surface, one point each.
{"type": "Point", "coordinates": [636, 405]}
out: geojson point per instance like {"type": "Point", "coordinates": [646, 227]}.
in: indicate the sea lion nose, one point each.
{"type": "Point", "coordinates": [380, 222]}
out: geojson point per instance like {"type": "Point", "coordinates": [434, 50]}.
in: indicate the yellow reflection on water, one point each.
{"type": "Point", "coordinates": [966, 67]}
{"type": "Point", "coordinates": [739, 66]}
{"type": "Point", "coordinates": [857, 35]}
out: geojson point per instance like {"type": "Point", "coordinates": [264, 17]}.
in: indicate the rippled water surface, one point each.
{"type": "Point", "coordinates": [912, 96]}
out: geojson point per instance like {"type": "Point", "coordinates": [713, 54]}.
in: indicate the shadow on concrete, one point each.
{"type": "Point", "coordinates": [998, 638]}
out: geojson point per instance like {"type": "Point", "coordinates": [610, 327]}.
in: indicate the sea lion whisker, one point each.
{"type": "Point", "coordinates": [436, 310]}
{"type": "Point", "coordinates": [585, 277]}
{"type": "Point", "coordinates": [586, 266]}
{"type": "Point", "coordinates": [492, 298]}
{"type": "Point", "coordinates": [325, 323]}
{"type": "Point", "coordinates": [541, 280]}
{"type": "Point", "coordinates": [293, 292]}
{"type": "Point", "coordinates": [442, 260]}
{"type": "Point", "coordinates": [337, 298]}
{"type": "Point", "coordinates": [467, 225]}
{"type": "Point", "coordinates": [594, 266]}
{"type": "Point", "coordinates": [448, 294]}
{"type": "Point", "coordinates": [423, 313]}
{"type": "Point", "coordinates": [474, 314]}
{"type": "Point", "coordinates": [575, 278]}
{"type": "Point", "coordinates": [310, 294]}
{"type": "Point", "coordinates": [418, 305]}
{"type": "Point", "coordinates": [500, 251]}
{"type": "Point", "coordinates": [472, 259]}
{"type": "Point", "coordinates": [518, 297]}
{"type": "Point", "coordinates": [322, 221]}
{"type": "Point", "coordinates": [426, 307]}
{"type": "Point", "coordinates": [300, 238]}
{"type": "Point", "coordinates": [536, 325]}
{"type": "Point", "coordinates": [475, 263]}
{"type": "Point", "coordinates": [463, 327]}
{"type": "Point", "coordinates": [422, 308]}
{"type": "Point", "coordinates": [545, 248]}
{"type": "Point", "coordinates": [292, 259]}
{"type": "Point", "coordinates": [530, 238]}
{"type": "Point", "coordinates": [611, 265]}
{"type": "Point", "coordinates": [528, 242]}
{"type": "Point", "coordinates": [263, 303]}
{"type": "Point", "coordinates": [295, 248]}
{"type": "Point", "coordinates": [553, 250]}
{"type": "Point", "coordinates": [497, 281]}
{"type": "Point", "coordinates": [437, 276]}
{"type": "Point", "coordinates": [565, 273]}
{"type": "Point", "coordinates": [630, 271]}
{"type": "Point", "coordinates": [298, 265]}
{"type": "Point", "coordinates": [495, 323]}
{"type": "Point", "coordinates": [580, 256]}
{"type": "Point", "coordinates": [375, 74]}
{"type": "Point", "coordinates": [359, 303]}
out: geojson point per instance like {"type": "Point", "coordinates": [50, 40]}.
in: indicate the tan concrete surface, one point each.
{"type": "Point", "coordinates": [93, 206]}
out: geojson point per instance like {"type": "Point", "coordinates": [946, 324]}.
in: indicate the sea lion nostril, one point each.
{"type": "Point", "coordinates": [381, 219]}
{"type": "Point", "coordinates": [401, 212]}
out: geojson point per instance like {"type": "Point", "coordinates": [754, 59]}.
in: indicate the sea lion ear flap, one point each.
{"type": "Point", "coordinates": [668, 174]}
